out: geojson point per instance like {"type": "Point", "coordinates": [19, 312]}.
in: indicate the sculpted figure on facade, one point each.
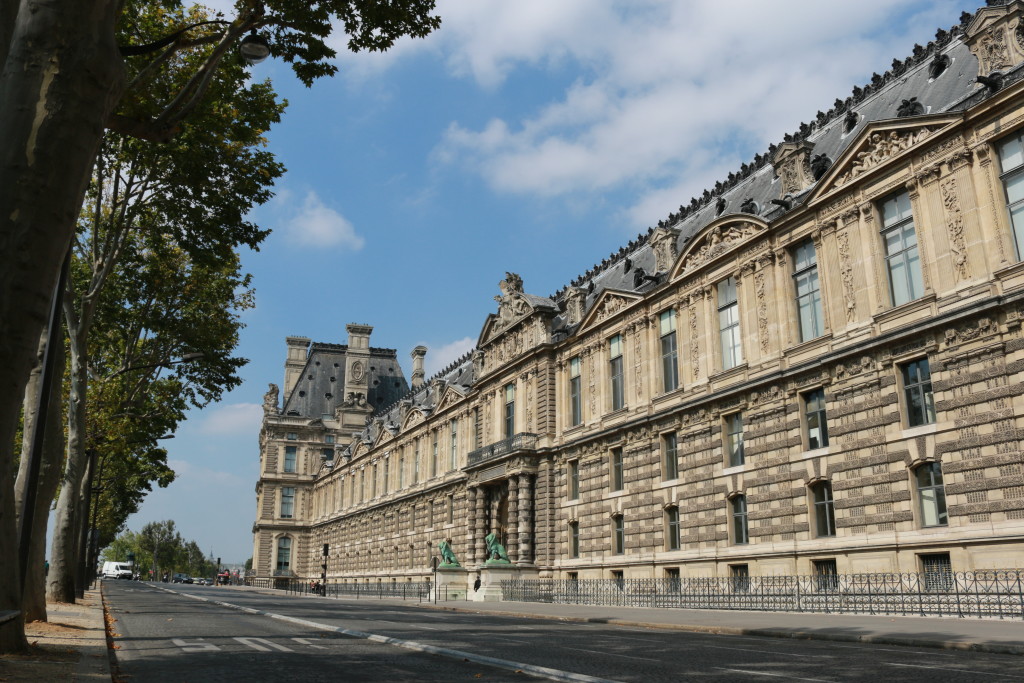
{"type": "Point", "coordinates": [663, 242]}
{"type": "Point", "coordinates": [575, 303]}
{"type": "Point", "coordinates": [719, 240]}
{"type": "Point", "coordinates": [880, 148]}
{"type": "Point", "coordinates": [270, 400]}
{"type": "Point", "coordinates": [511, 304]}
{"type": "Point", "coordinates": [448, 558]}
{"type": "Point", "coordinates": [496, 553]}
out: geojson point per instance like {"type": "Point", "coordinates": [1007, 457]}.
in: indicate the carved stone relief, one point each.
{"type": "Point", "coordinates": [575, 300]}
{"type": "Point", "coordinates": [955, 226]}
{"type": "Point", "coordinates": [762, 310]}
{"type": "Point", "coordinates": [694, 345]}
{"type": "Point", "coordinates": [846, 271]}
{"type": "Point", "coordinates": [663, 242]}
{"type": "Point", "coordinates": [992, 51]}
{"type": "Point", "coordinates": [718, 241]}
{"type": "Point", "coordinates": [511, 304]}
{"type": "Point", "coordinates": [609, 307]}
{"type": "Point", "coordinates": [638, 358]}
{"type": "Point", "coordinates": [880, 148]}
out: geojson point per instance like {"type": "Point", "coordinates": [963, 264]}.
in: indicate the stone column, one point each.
{"type": "Point", "coordinates": [481, 526]}
{"type": "Point", "coordinates": [525, 494]}
{"type": "Point", "coordinates": [513, 518]}
{"type": "Point", "coordinates": [471, 495]}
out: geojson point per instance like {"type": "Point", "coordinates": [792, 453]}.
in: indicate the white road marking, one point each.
{"type": "Point", "coordinates": [308, 642]}
{"type": "Point", "coordinates": [195, 646]}
{"type": "Point", "coordinates": [254, 643]}
{"type": "Point", "coordinates": [762, 673]}
{"type": "Point", "coordinates": [767, 652]}
{"type": "Point", "coordinates": [949, 668]}
{"type": "Point", "coordinates": [609, 654]}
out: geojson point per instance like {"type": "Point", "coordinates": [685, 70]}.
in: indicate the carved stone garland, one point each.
{"type": "Point", "coordinates": [762, 310]}
{"type": "Point", "coordinates": [846, 271]}
{"type": "Point", "coordinates": [955, 226]}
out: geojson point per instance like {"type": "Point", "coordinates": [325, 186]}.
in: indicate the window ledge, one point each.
{"type": "Point", "coordinates": [725, 374]}
{"type": "Point", "coordinates": [925, 301]}
{"type": "Point", "coordinates": [815, 452]}
{"type": "Point", "coordinates": [922, 430]}
{"type": "Point", "coordinates": [735, 469]}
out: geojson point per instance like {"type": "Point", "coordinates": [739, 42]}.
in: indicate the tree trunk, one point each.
{"type": "Point", "coordinates": [60, 81]}
{"type": "Point", "coordinates": [34, 598]}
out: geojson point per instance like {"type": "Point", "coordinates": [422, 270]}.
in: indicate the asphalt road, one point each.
{"type": "Point", "coordinates": [168, 636]}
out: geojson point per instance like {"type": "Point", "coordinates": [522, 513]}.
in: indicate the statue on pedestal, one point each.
{"type": "Point", "coordinates": [448, 558]}
{"type": "Point", "coordinates": [496, 553]}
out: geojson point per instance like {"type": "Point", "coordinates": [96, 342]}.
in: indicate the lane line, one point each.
{"type": "Point", "coordinates": [611, 654]}
{"type": "Point", "coordinates": [764, 673]}
{"type": "Point", "coordinates": [766, 652]}
{"type": "Point", "coordinates": [950, 669]}
{"type": "Point", "coordinates": [546, 672]}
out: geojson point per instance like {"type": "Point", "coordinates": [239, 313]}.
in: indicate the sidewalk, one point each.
{"type": "Point", "coordinates": [71, 646]}
{"type": "Point", "coordinates": [1004, 636]}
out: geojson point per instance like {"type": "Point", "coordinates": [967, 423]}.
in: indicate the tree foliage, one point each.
{"type": "Point", "coordinates": [159, 546]}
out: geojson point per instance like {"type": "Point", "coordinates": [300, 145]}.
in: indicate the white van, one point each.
{"type": "Point", "coordinates": [117, 570]}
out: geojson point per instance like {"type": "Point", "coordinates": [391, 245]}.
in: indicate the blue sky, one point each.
{"type": "Point", "coordinates": [536, 137]}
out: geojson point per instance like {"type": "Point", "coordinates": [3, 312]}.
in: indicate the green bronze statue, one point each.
{"type": "Point", "coordinates": [496, 553]}
{"type": "Point", "coordinates": [448, 558]}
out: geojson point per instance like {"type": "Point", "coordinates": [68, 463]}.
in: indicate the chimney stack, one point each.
{"type": "Point", "coordinates": [418, 355]}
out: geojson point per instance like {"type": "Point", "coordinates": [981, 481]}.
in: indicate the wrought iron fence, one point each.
{"type": "Point", "coordinates": [963, 594]}
{"type": "Point", "coordinates": [520, 442]}
{"type": "Point", "coordinates": [392, 589]}
{"type": "Point", "coordinates": [258, 582]}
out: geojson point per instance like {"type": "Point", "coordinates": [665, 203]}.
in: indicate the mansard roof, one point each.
{"type": "Point", "coordinates": [319, 388]}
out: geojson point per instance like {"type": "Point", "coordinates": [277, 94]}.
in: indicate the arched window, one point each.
{"type": "Point", "coordinates": [284, 553]}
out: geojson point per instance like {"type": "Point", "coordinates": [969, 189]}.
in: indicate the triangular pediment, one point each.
{"type": "Point", "coordinates": [880, 144]}
{"type": "Point", "coordinates": [450, 397]}
{"type": "Point", "coordinates": [383, 436]}
{"type": "Point", "coordinates": [610, 302]}
{"type": "Point", "coordinates": [414, 417]}
{"type": "Point", "coordinates": [717, 239]}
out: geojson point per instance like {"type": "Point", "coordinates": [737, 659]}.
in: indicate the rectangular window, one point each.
{"type": "Point", "coordinates": [729, 324]}
{"type": "Point", "coordinates": [814, 418]}
{"type": "Point", "coordinates": [292, 436]}
{"type": "Point", "coordinates": [826, 575]}
{"type": "Point", "coordinates": [808, 294]}
{"type": "Point", "coordinates": [451, 509]}
{"type": "Point", "coordinates": [510, 410]}
{"type": "Point", "coordinates": [670, 456]}
{"type": "Point", "coordinates": [938, 572]}
{"type": "Point", "coordinates": [574, 479]}
{"type": "Point", "coordinates": [453, 456]}
{"type": "Point", "coordinates": [616, 469]}
{"type": "Point", "coordinates": [387, 474]}
{"type": "Point", "coordinates": [738, 510]}
{"type": "Point", "coordinates": [416, 462]}
{"type": "Point", "coordinates": [328, 438]}
{"type": "Point", "coordinates": [1011, 162]}
{"type": "Point", "coordinates": [618, 535]}
{"type": "Point", "coordinates": [669, 353]}
{"type": "Point", "coordinates": [401, 472]}
{"type": "Point", "coordinates": [373, 483]}
{"type": "Point", "coordinates": [901, 257]}
{"type": "Point", "coordinates": [289, 458]}
{"type": "Point", "coordinates": [734, 439]}
{"type": "Point", "coordinates": [284, 554]}
{"type": "Point", "coordinates": [287, 502]}
{"type": "Point", "coordinates": [433, 461]}
{"type": "Point", "coordinates": [672, 528]}
{"type": "Point", "coordinates": [574, 539]}
{"type": "Point", "coordinates": [740, 575]}
{"type": "Point", "coordinates": [615, 372]}
{"type": "Point", "coordinates": [931, 492]}
{"type": "Point", "coordinates": [575, 392]}
{"type": "Point", "coordinates": [619, 578]}
{"type": "Point", "coordinates": [917, 392]}
{"type": "Point", "coordinates": [824, 509]}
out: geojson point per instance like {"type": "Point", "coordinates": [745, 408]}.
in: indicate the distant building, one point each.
{"type": "Point", "coordinates": [814, 367]}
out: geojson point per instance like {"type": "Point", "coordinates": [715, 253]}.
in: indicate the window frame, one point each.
{"type": "Point", "coordinates": [908, 256]}
{"type": "Point", "coordinates": [291, 459]}
{"type": "Point", "coordinates": [669, 456]}
{"type": "Point", "coordinates": [574, 539]}
{"type": "Point", "coordinates": [288, 496]}
{"type": "Point", "coordinates": [283, 543]}
{"type": "Point", "coordinates": [805, 271]}
{"type": "Point", "coordinates": [616, 376]}
{"type": "Point", "coordinates": [574, 479]}
{"type": "Point", "coordinates": [733, 439]}
{"type": "Point", "coordinates": [575, 392]}
{"type": "Point", "coordinates": [739, 528]}
{"type": "Point", "coordinates": [815, 416]}
{"type": "Point", "coordinates": [933, 494]}
{"type": "Point", "coordinates": [729, 334]}
{"type": "Point", "coordinates": [618, 534]}
{"type": "Point", "coordinates": [669, 350]}
{"type": "Point", "coordinates": [917, 392]}
{"type": "Point", "coordinates": [510, 410]}
{"type": "Point", "coordinates": [616, 470]}
{"type": "Point", "coordinates": [824, 509]}
{"type": "Point", "coordinates": [673, 530]}
{"type": "Point", "coordinates": [1006, 176]}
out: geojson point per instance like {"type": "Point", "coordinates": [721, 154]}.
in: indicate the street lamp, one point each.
{"type": "Point", "coordinates": [254, 48]}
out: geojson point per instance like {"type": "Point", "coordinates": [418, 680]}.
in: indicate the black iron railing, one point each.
{"type": "Point", "coordinates": [514, 444]}
{"type": "Point", "coordinates": [406, 590]}
{"type": "Point", "coordinates": [962, 594]}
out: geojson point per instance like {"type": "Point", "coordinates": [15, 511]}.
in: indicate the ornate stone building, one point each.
{"type": "Point", "coordinates": [814, 367]}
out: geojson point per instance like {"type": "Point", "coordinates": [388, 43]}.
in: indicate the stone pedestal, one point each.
{"type": "Point", "coordinates": [491, 577]}
{"type": "Point", "coordinates": [451, 583]}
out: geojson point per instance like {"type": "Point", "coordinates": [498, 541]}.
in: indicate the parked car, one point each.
{"type": "Point", "coordinates": [117, 570]}
{"type": "Point", "coordinates": [181, 578]}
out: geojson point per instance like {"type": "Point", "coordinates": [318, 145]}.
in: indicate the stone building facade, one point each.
{"type": "Point", "coordinates": [814, 367]}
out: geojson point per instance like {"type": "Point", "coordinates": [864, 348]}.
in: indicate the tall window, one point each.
{"type": "Point", "coordinates": [670, 456]}
{"type": "Point", "coordinates": [808, 294]}
{"type": "Point", "coordinates": [901, 255]}
{"type": "Point", "coordinates": [734, 439]}
{"type": "Point", "coordinates": [287, 502]}
{"type": "Point", "coordinates": [401, 471]}
{"type": "Point", "coordinates": [669, 353]}
{"type": "Point", "coordinates": [917, 392]}
{"type": "Point", "coordinates": [574, 479]}
{"type": "Point", "coordinates": [932, 494]}
{"type": "Point", "coordinates": [453, 455]}
{"type": "Point", "coordinates": [814, 417]}
{"type": "Point", "coordinates": [289, 458]}
{"type": "Point", "coordinates": [574, 539]}
{"type": "Point", "coordinates": [1011, 160]}
{"type": "Point", "coordinates": [451, 509]}
{"type": "Point", "coordinates": [575, 392]}
{"type": "Point", "coordinates": [615, 371]}
{"type": "Point", "coordinates": [387, 474]}
{"type": "Point", "coordinates": [738, 512]}
{"type": "Point", "coordinates": [618, 535]}
{"type": "Point", "coordinates": [616, 468]}
{"type": "Point", "coordinates": [729, 324]}
{"type": "Point", "coordinates": [433, 461]}
{"type": "Point", "coordinates": [824, 509]}
{"type": "Point", "coordinates": [373, 483]}
{"type": "Point", "coordinates": [284, 553]}
{"type": "Point", "coordinates": [510, 410]}
{"type": "Point", "coordinates": [672, 528]}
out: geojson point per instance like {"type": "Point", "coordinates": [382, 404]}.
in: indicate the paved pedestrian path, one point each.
{"type": "Point", "coordinates": [70, 646]}
{"type": "Point", "coordinates": [984, 635]}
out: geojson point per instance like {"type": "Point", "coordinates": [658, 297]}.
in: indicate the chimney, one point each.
{"type": "Point", "coordinates": [298, 349]}
{"type": "Point", "coordinates": [418, 354]}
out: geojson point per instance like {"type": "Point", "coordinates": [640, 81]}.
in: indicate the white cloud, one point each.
{"type": "Point", "coordinates": [189, 474]}
{"type": "Point", "coordinates": [440, 356]}
{"type": "Point", "coordinates": [234, 419]}
{"type": "Point", "coordinates": [314, 224]}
